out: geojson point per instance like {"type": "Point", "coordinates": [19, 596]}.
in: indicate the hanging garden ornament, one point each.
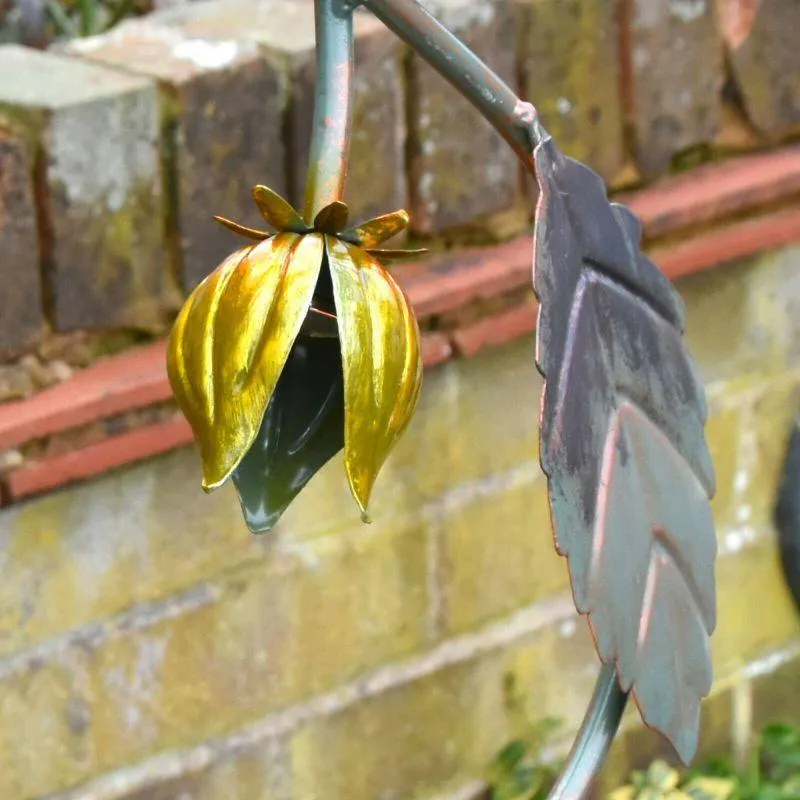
{"type": "Point", "coordinates": [294, 347]}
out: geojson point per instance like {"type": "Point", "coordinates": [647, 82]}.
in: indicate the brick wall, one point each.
{"type": "Point", "coordinates": [150, 648]}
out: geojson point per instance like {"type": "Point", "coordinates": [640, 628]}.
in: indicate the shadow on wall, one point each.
{"type": "Point", "coordinates": [787, 513]}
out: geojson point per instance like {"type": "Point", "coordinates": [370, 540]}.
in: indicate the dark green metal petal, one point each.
{"type": "Point", "coordinates": [303, 429]}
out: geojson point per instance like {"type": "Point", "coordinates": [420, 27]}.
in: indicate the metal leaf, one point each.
{"type": "Point", "coordinates": [387, 256]}
{"type": "Point", "coordinates": [278, 212]}
{"type": "Point", "coordinates": [302, 430]}
{"type": "Point", "coordinates": [374, 232]}
{"type": "Point", "coordinates": [381, 360]}
{"type": "Point", "coordinates": [242, 230]}
{"type": "Point", "coordinates": [622, 444]}
{"type": "Point", "coordinates": [333, 218]}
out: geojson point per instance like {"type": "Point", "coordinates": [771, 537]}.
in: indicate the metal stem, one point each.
{"type": "Point", "coordinates": [333, 105]}
{"type": "Point", "coordinates": [514, 119]}
{"type": "Point", "coordinates": [594, 738]}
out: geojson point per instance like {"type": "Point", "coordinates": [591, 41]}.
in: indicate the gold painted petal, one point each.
{"type": "Point", "coordinates": [278, 212]}
{"type": "Point", "coordinates": [242, 230]}
{"type": "Point", "coordinates": [232, 345]}
{"type": "Point", "coordinates": [381, 361]}
{"type": "Point", "coordinates": [333, 218]}
{"type": "Point", "coordinates": [378, 230]}
{"type": "Point", "coordinates": [385, 256]}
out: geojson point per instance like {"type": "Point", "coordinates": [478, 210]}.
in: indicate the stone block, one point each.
{"type": "Point", "coordinates": [496, 553]}
{"type": "Point", "coordinates": [222, 109]}
{"type": "Point", "coordinates": [99, 188]}
{"type": "Point", "coordinates": [765, 61]}
{"type": "Point", "coordinates": [208, 662]}
{"type": "Point", "coordinates": [284, 31]}
{"type": "Point", "coordinates": [21, 316]}
{"type": "Point", "coordinates": [460, 167]}
{"type": "Point", "coordinates": [752, 575]}
{"type": "Point", "coordinates": [675, 75]}
{"type": "Point", "coordinates": [569, 52]}
{"type": "Point", "coordinates": [444, 725]}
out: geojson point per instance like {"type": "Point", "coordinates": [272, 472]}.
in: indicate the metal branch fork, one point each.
{"type": "Point", "coordinates": [517, 121]}
{"type": "Point", "coordinates": [302, 344]}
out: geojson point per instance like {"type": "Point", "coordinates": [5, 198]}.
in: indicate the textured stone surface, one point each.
{"type": "Point", "coordinates": [675, 75]}
{"type": "Point", "coordinates": [284, 31]}
{"type": "Point", "coordinates": [765, 60]}
{"type": "Point", "coordinates": [21, 316]}
{"type": "Point", "coordinates": [376, 176]}
{"type": "Point", "coordinates": [460, 168]}
{"type": "Point", "coordinates": [221, 117]}
{"type": "Point", "coordinates": [496, 552]}
{"type": "Point", "coordinates": [569, 54]}
{"type": "Point", "coordinates": [103, 237]}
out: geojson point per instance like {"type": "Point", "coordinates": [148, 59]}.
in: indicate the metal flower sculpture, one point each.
{"type": "Point", "coordinates": [302, 343]}
{"type": "Point", "coordinates": [256, 368]}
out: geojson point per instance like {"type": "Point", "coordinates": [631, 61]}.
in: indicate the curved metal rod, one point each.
{"type": "Point", "coordinates": [518, 124]}
{"type": "Point", "coordinates": [597, 732]}
{"type": "Point", "coordinates": [333, 105]}
{"type": "Point", "coordinates": [513, 118]}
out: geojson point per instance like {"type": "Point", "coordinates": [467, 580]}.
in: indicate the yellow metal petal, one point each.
{"type": "Point", "coordinates": [332, 218]}
{"type": "Point", "coordinates": [385, 256]}
{"type": "Point", "coordinates": [231, 341]}
{"type": "Point", "coordinates": [381, 361]}
{"type": "Point", "coordinates": [378, 230]}
{"type": "Point", "coordinates": [278, 212]}
{"type": "Point", "coordinates": [242, 230]}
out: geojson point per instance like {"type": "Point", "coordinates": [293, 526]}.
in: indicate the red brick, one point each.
{"type": "Point", "coordinates": [448, 282]}
{"type": "Point", "coordinates": [496, 329]}
{"type": "Point", "coordinates": [717, 190]}
{"type": "Point", "coordinates": [130, 380]}
{"type": "Point", "coordinates": [436, 348]}
{"type": "Point", "coordinates": [95, 459]}
{"type": "Point", "coordinates": [733, 241]}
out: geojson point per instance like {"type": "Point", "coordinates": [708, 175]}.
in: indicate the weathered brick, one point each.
{"type": "Point", "coordinates": [246, 773]}
{"type": "Point", "coordinates": [674, 71]}
{"type": "Point", "coordinates": [21, 318]}
{"type": "Point", "coordinates": [284, 31]}
{"type": "Point", "coordinates": [569, 54]}
{"type": "Point", "coordinates": [496, 551]}
{"type": "Point", "coordinates": [765, 62]}
{"type": "Point", "coordinates": [420, 736]}
{"type": "Point", "coordinates": [476, 418]}
{"type": "Point", "coordinates": [219, 656]}
{"type": "Point", "coordinates": [775, 691]}
{"type": "Point", "coordinates": [758, 333]}
{"type": "Point", "coordinates": [457, 177]}
{"type": "Point", "coordinates": [751, 576]}
{"type": "Point", "coordinates": [103, 230]}
{"type": "Point", "coordinates": [222, 122]}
